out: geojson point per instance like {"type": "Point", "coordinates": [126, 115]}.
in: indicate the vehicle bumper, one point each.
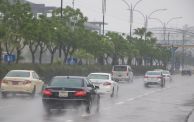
{"type": "Point", "coordinates": [105, 90]}
{"type": "Point", "coordinates": [55, 103]}
{"type": "Point", "coordinates": [121, 78]}
{"type": "Point", "coordinates": [152, 82]}
{"type": "Point", "coordinates": [17, 89]}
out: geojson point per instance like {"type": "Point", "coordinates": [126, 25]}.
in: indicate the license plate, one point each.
{"type": "Point", "coordinates": [63, 94]}
{"type": "Point", "coordinates": [15, 82]}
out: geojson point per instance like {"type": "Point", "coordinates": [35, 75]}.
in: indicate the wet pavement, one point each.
{"type": "Point", "coordinates": [135, 103]}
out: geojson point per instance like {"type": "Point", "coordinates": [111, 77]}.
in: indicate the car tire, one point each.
{"type": "Point", "coordinates": [113, 93]}
{"type": "Point", "coordinates": [162, 84]}
{"type": "Point", "coordinates": [146, 85]}
{"type": "Point", "coordinates": [3, 94]}
{"type": "Point", "coordinates": [132, 79]}
{"type": "Point", "coordinates": [89, 107]}
{"type": "Point", "coordinates": [117, 91]}
{"type": "Point", "coordinates": [33, 92]}
{"type": "Point", "coordinates": [47, 109]}
{"type": "Point", "coordinates": [98, 105]}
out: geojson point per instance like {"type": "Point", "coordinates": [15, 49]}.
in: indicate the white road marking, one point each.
{"type": "Point", "coordinates": [130, 99]}
{"type": "Point", "coordinates": [85, 115]}
{"type": "Point", "coordinates": [69, 120]}
{"type": "Point", "coordinates": [119, 103]}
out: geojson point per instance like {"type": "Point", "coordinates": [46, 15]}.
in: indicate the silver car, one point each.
{"type": "Point", "coordinates": [122, 73]}
{"type": "Point", "coordinates": [154, 78]}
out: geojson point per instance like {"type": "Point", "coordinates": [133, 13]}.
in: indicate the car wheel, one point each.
{"type": "Point", "coordinates": [47, 109]}
{"type": "Point", "coordinates": [3, 94]}
{"type": "Point", "coordinates": [33, 92]}
{"type": "Point", "coordinates": [117, 90]}
{"type": "Point", "coordinates": [146, 85]}
{"type": "Point", "coordinates": [98, 105]}
{"type": "Point", "coordinates": [113, 93]}
{"type": "Point", "coordinates": [163, 84]}
{"type": "Point", "coordinates": [132, 79]}
{"type": "Point", "coordinates": [89, 107]}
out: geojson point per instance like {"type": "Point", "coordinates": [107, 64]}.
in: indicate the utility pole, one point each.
{"type": "Point", "coordinates": [60, 47]}
{"type": "Point", "coordinates": [73, 3]}
{"type": "Point", "coordinates": [103, 15]}
{"type": "Point", "coordinates": [131, 8]}
{"type": "Point", "coordinates": [183, 50]}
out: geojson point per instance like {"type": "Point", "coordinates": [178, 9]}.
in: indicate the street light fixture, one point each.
{"type": "Point", "coordinates": [164, 24]}
{"type": "Point", "coordinates": [132, 9]}
{"type": "Point", "coordinates": [147, 17]}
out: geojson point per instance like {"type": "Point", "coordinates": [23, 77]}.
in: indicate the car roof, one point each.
{"type": "Point", "coordinates": [121, 65]}
{"type": "Point", "coordinates": [100, 73]}
{"type": "Point", "coordinates": [154, 71]}
{"type": "Point", "coordinates": [81, 77]}
{"type": "Point", "coordinates": [23, 70]}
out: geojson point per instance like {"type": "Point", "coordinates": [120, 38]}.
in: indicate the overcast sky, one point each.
{"type": "Point", "coordinates": [117, 15]}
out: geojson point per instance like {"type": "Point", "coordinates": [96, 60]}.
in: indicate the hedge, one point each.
{"type": "Point", "coordinates": [47, 71]}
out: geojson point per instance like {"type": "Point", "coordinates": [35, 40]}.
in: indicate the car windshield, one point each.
{"type": "Point", "coordinates": [67, 82]}
{"type": "Point", "coordinates": [120, 68]}
{"type": "Point", "coordinates": [153, 73]}
{"type": "Point", "coordinates": [166, 72]}
{"type": "Point", "coordinates": [98, 76]}
{"type": "Point", "coordinates": [18, 74]}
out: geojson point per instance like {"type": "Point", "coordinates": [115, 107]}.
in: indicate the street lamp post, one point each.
{"type": "Point", "coordinates": [61, 8]}
{"type": "Point", "coordinates": [103, 14]}
{"type": "Point", "coordinates": [164, 24]}
{"type": "Point", "coordinates": [60, 47]}
{"type": "Point", "coordinates": [132, 9]}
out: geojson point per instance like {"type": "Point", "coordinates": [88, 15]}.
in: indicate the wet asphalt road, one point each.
{"type": "Point", "coordinates": [135, 103]}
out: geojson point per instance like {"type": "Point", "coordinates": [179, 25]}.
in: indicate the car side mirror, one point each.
{"type": "Point", "coordinates": [96, 87]}
{"type": "Point", "coordinates": [90, 85]}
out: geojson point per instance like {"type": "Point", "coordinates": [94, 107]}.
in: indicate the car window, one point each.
{"type": "Point", "coordinates": [166, 72]}
{"type": "Point", "coordinates": [35, 75]}
{"type": "Point", "coordinates": [98, 76]}
{"type": "Point", "coordinates": [120, 68]}
{"type": "Point", "coordinates": [67, 82]}
{"type": "Point", "coordinates": [18, 74]}
{"type": "Point", "coordinates": [153, 73]}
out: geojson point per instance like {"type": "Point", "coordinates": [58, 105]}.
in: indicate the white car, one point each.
{"type": "Point", "coordinates": [154, 78]}
{"type": "Point", "coordinates": [21, 82]}
{"type": "Point", "coordinates": [105, 83]}
{"type": "Point", "coordinates": [122, 73]}
{"type": "Point", "coordinates": [167, 75]}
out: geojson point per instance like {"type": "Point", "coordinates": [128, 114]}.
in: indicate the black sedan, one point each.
{"type": "Point", "coordinates": [64, 92]}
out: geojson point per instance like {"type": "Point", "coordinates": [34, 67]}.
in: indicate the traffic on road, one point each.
{"type": "Point", "coordinates": [98, 98]}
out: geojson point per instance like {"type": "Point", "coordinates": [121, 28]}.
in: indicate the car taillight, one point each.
{"type": "Point", "coordinates": [27, 82]}
{"type": "Point", "coordinates": [4, 81]}
{"type": "Point", "coordinates": [145, 76]}
{"type": "Point", "coordinates": [106, 83]}
{"type": "Point", "coordinates": [80, 93]}
{"type": "Point", "coordinates": [127, 73]}
{"type": "Point", "coordinates": [47, 92]}
{"type": "Point", "coordinates": [159, 77]}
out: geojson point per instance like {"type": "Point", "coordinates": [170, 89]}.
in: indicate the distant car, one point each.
{"type": "Point", "coordinates": [70, 92]}
{"type": "Point", "coordinates": [167, 75]}
{"type": "Point", "coordinates": [105, 83]}
{"type": "Point", "coordinates": [21, 82]}
{"type": "Point", "coordinates": [122, 73]}
{"type": "Point", "coordinates": [186, 72]}
{"type": "Point", "coordinates": [154, 78]}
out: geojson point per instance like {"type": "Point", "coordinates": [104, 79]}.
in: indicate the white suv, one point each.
{"type": "Point", "coordinates": [122, 73]}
